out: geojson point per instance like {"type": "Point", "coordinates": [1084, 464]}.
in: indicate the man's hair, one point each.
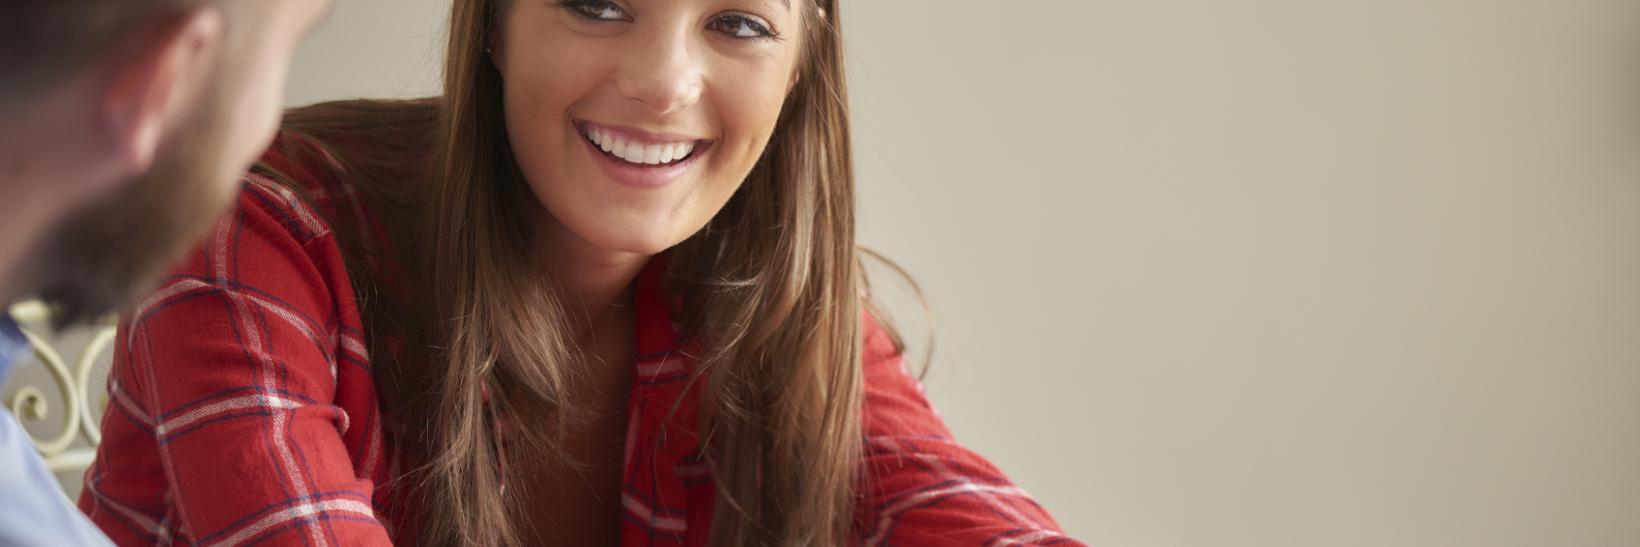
{"type": "Point", "coordinates": [45, 42]}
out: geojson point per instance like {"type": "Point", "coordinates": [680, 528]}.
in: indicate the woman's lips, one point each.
{"type": "Point", "coordinates": [638, 158]}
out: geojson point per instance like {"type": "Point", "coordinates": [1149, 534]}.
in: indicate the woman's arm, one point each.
{"type": "Point", "coordinates": [226, 423]}
{"type": "Point", "coordinates": [921, 487]}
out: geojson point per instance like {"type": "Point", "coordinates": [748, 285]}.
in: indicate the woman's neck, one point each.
{"type": "Point", "coordinates": [594, 285]}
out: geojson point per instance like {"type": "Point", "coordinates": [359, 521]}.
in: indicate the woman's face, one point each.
{"type": "Point", "coordinates": [634, 121]}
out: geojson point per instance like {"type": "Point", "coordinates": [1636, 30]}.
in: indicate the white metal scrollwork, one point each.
{"type": "Point", "coordinates": [29, 402]}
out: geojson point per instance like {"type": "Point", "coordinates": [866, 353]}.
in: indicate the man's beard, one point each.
{"type": "Point", "coordinates": [105, 254]}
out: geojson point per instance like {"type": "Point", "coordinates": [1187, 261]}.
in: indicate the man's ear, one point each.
{"type": "Point", "coordinates": [152, 81]}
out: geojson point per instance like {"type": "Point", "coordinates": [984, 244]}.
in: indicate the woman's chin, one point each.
{"type": "Point", "coordinates": [639, 244]}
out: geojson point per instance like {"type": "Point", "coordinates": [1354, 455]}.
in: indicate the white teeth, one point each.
{"type": "Point", "coordinates": [634, 153]}
{"type": "Point", "coordinates": [644, 154]}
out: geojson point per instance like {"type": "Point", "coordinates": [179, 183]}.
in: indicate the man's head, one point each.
{"type": "Point", "coordinates": [127, 123]}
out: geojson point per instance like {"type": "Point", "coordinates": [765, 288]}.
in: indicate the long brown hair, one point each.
{"type": "Point", "coordinates": [771, 289]}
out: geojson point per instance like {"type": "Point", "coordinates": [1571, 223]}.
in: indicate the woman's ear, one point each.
{"type": "Point", "coordinates": [492, 47]}
{"type": "Point", "coordinates": [797, 75]}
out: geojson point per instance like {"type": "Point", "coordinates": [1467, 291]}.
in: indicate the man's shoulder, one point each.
{"type": "Point", "coordinates": [34, 510]}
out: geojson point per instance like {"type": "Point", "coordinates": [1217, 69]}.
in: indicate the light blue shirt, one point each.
{"type": "Point", "coordinates": [33, 509]}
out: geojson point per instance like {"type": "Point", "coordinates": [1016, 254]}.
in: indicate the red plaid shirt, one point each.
{"type": "Point", "coordinates": [243, 411]}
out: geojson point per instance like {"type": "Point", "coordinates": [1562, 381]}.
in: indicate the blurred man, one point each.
{"type": "Point", "coordinates": [124, 125]}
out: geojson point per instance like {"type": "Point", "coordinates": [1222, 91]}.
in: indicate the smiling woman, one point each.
{"type": "Point", "coordinates": [604, 290]}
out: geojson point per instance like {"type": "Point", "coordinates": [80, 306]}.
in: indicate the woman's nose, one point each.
{"type": "Point", "coordinates": [664, 74]}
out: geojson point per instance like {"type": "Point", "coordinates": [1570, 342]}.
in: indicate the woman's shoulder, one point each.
{"type": "Point", "coordinates": [273, 244]}
{"type": "Point", "coordinates": [339, 184]}
{"type": "Point", "coordinates": [352, 161]}
{"type": "Point", "coordinates": [283, 240]}
{"type": "Point", "coordinates": [299, 177]}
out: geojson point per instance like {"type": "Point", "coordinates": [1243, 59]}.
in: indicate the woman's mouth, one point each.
{"type": "Point", "coordinates": [626, 148]}
{"type": "Point", "coordinates": [640, 158]}
{"type": "Point", "coordinates": [638, 153]}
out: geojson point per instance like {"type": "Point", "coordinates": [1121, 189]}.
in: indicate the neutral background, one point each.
{"type": "Point", "coordinates": [1256, 273]}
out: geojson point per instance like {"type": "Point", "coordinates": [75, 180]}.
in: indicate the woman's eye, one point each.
{"type": "Point", "coordinates": [742, 27]}
{"type": "Point", "coordinates": [597, 10]}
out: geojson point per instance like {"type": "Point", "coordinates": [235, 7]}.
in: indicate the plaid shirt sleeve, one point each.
{"type": "Point", "coordinates": [224, 426]}
{"type": "Point", "coordinates": [921, 487]}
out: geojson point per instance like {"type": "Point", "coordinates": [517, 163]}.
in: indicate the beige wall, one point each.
{"type": "Point", "coordinates": [1258, 273]}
